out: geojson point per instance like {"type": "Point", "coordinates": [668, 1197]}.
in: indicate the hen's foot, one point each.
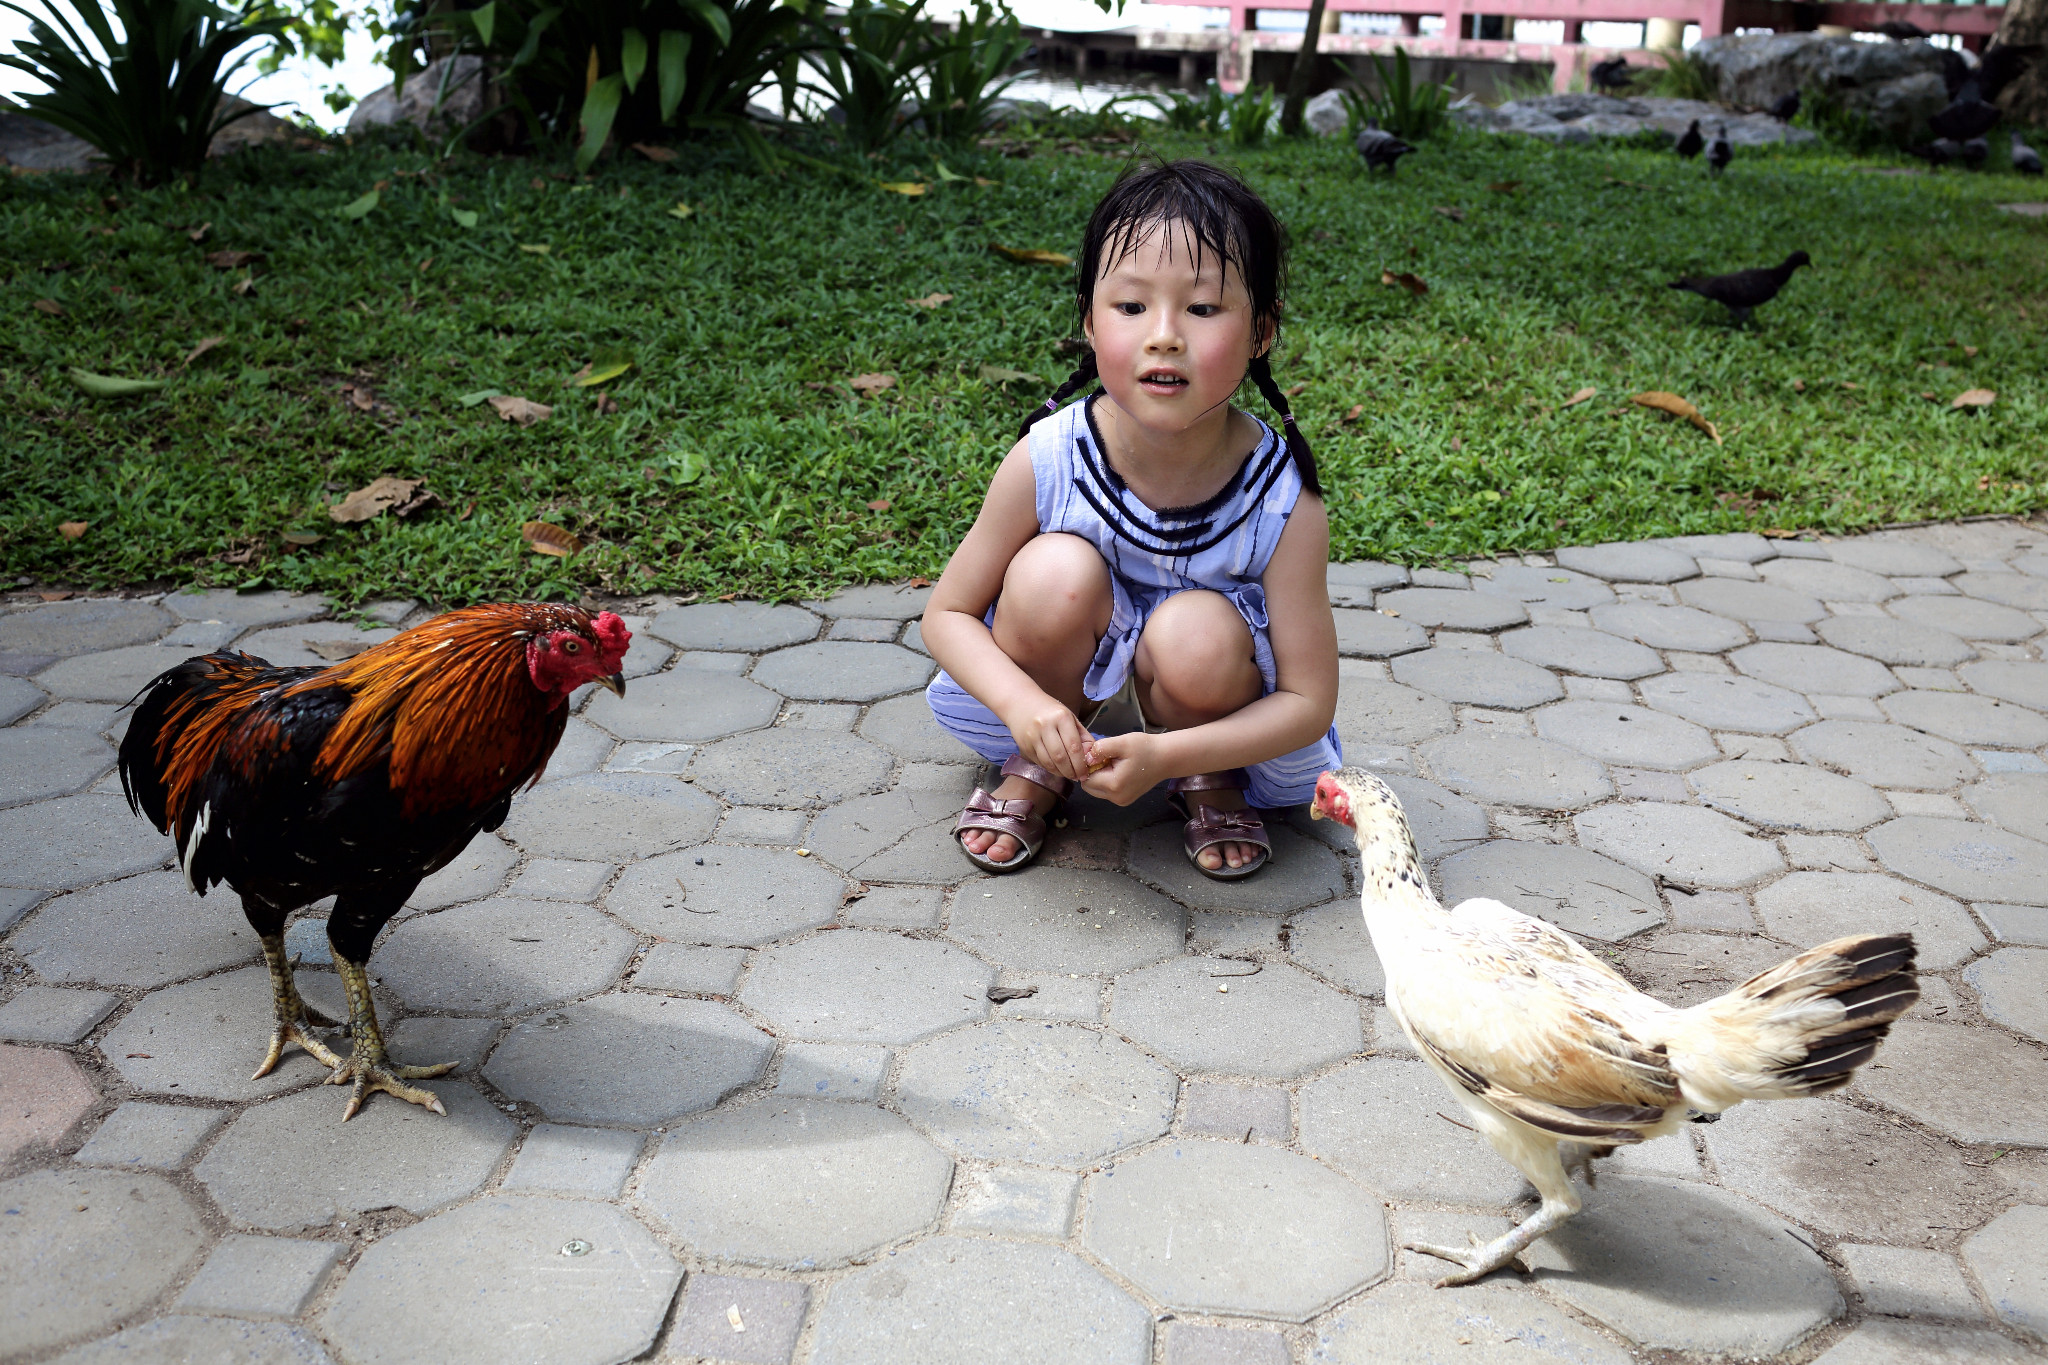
{"type": "Point", "coordinates": [1475, 1263]}
{"type": "Point", "coordinates": [296, 1031]}
{"type": "Point", "coordinates": [295, 1020]}
{"type": "Point", "coordinates": [376, 1072]}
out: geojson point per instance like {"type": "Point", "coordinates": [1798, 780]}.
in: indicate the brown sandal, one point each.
{"type": "Point", "coordinates": [1207, 826]}
{"type": "Point", "coordinates": [1014, 818]}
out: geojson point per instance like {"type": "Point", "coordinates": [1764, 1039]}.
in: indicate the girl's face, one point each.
{"type": "Point", "coordinates": [1171, 341]}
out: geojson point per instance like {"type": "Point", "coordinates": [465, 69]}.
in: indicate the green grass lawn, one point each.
{"type": "Point", "coordinates": [745, 319]}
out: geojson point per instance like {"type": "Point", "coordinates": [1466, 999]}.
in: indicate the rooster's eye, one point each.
{"type": "Point", "coordinates": [571, 647]}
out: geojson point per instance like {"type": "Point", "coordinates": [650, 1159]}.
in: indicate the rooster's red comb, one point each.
{"type": "Point", "coordinates": [612, 636]}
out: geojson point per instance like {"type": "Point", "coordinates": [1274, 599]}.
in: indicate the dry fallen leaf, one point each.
{"type": "Point", "coordinates": [1455, 215]}
{"type": "Point", "coordinates": [50, 306]}
{"type": "Point", "coordinates": [1778, 533]}
{"type": "Point", "coordinates": [521, 410]}
{"type": "Point", "coordinates": [1410, 282]}
{"type": "Point", "coordinates": [909, 187]}
{"type": "Point", "coordinates": [72, 530]}
{"type": "Point", "coordinates": [1799, 386]}
{"type": "Point", "coordinates": [198, 234]}
{"type": "Point", "coordinates": [1296, 390]}
{"type": "Point", "coordinates": [205, 344]}
{"type": "Point", "coordinates": [334, 651]}
{"type": "Point", "coordinates": [867, 385]}
{"type": "Point", "coordinates": [1928, 394]}
{"type": "Point", "coordinates": [1975, 398]}
{"type": "Point", "coordinates": [1026, 255]}
{"type": "Point", "coordinates": [1357, 411]}
{"type": "Point", "coordinates": [65, 595]}
{"type": "Point", "coordinates": [1002, 374]}
{"type": "Point", "coordinates": [1969, 350]}
{"type": "Point", "coordinates": [359, 397]}
{"type": "Point", "coordinates": [244, 285]}
{"type": "Point", "coordinates": [546, 538]}
{"type": "Point", "coordinates": [1505, 186]}
{"type": "Point", "coordinates": [930, 300]}
{"type": "Point", "coordinates": [1677, 407]}
{"type": "Point", "coordinates": [302, 539]}
{"type": "Point", "coordinates": [654, 153]}
{"type": "Point", "coordinates": [402, 497]}
{"type": "Point", "coordinates": [606, 404]}
{"type": "Point", "coordinates": [1581, 396]}
{"type": "Point", "coordinates": [880, 505]}
{"type": "Point", "coordinates": [232, 260]}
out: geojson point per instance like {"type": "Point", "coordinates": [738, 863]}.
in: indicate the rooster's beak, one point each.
{"type": "Point", "coordinates": [616, 682]}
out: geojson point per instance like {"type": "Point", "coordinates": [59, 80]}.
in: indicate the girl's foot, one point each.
{"type": "Point", "coordinates": [1224, 838]}
{"type": "Point", "coordinates": [1003, 831]}
{"type": "Point", "coordinates": [1232, 854]}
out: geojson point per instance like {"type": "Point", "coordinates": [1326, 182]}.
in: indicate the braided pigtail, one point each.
{"type": "Point", "coordinates": [1297, 444]}
{"type": "Point", "coordinates": [1084, 374]}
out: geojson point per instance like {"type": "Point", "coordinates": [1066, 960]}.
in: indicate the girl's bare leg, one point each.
{"type": "Point", "coordinates": [1195, 665]}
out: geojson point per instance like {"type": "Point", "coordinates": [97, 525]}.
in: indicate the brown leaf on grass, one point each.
{"type": "Point", "coordinates": [401, 497]}
{"type": "Point", "coordinates": [1357, 411]}
{"type": "Point", "coordinates": [50, 306]}
{"type": "Point", "coordinates": [1454, 214]}
{"type": "Point", "coordinates": [1777, 533]}
{"type": "Point", "coordinates": [64, 595]}
{"type": "Point", "coordinates": [1928, 394]}
{"type": "Point", "coordinates": [1410, 282]}
{"type": "Point", "coordinates": [880, 505]}
{"type": "Point", "coordinates": [198, 234]}
{"type": "Point", "coordinates": [72, 530]}
{"type": "Point", "coordinates": [1505, 186]}
{"type": "Point", "coordinates": [1029, 255]}
{"type": "Point", "coordinates": [546, 538]}
{"type": "Point", "coordinates": [654, 153]}
{"type": "Point", "coordinates": [205, 344]}
{"type": "Point", "coordinates": [1799, 386]}
{"type": "Point", "coordinates": [524, 411]}
{"type": "Point", "coordinates": [1296, 390]}
{"type": "Point", "coordinates": [1970, 351]}
{"type": "Point", "coordinates": [1677, 407]}
{"type": "Point", "coordinates": [1581, 396]}
{"type": "Point", "coordinates": [240, 555]}
{"type": "Point", "coordinates": [243, 285]}
{"type": "Point", "coordinates": [868, 385]}
{"type": "Point", "coordinates": [606, 405]}
{"type": "Point", "coordinates": [334, 651]}
{"type": "Point", "coordinates": [930, 300]}
{"type": "Point", "coordinates": [359, 397]}
{"type": "Point", "coordinates": [302, 539]}
{"type": "Point", "coordinates": [232, 260]}
{"type": "Point", "coordinates": [1974, 398]}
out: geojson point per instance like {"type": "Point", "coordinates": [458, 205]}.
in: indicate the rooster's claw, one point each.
{"type": "Point", "coordinates": [1473, 1264]}
{"type": "Point", "coordinates": [297, 1031]}
{"type": "Point", "coordinates": [371, 1076]}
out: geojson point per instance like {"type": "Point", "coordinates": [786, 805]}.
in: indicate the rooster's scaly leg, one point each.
{"type": "Point", "coordinates": [368, 1065]}
{"type": "Point", "coordinates": [1480, 1261]}
{"type": "Point", "coordinates": [295, 1021]}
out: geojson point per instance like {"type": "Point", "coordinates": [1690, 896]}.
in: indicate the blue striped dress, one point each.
{"type": "Point", "coordinates": [1223, 546]}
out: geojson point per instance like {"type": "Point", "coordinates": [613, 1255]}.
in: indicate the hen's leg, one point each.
{"type": "Point", "coordinates": [295, 1022]}
{"type": "Point", "coordinates": [1560, 1201]}
{"type": "Point", "coordinates": [351, 929]}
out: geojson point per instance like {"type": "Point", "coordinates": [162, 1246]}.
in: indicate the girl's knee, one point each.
{"type": "Point", "coordinates": [1200, 652]}
{"type": "Point", "coordinates": [1061, 582]}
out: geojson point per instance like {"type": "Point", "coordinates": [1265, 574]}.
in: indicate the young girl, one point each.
{"type": "Point", "coordinates": [1151, 544]}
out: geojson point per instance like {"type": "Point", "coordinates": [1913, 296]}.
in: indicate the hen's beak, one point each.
{"type": "Point", "coordinates": [1315, 807]}
{"type": "Point", "coordinates": [616, 683]}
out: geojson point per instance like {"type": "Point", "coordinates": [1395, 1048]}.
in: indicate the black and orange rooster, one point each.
{"type": "Point", "coordinates": [357, 781]}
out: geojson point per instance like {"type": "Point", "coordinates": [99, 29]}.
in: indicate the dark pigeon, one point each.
{"type": "Point", "coordinates": [1380, 149]}
{"type": "Point", "coordinates": [1967, 115]}
{"type": "Point", "coordinates": [1786, 108]}
{"type": "Point", "coordinates": [1974, 152]}
{"type": "Point", "coordinates": [1719, 151]}
{"type": "Point", "coordinates": [2025, 160]}
{"type": "Point", "coordinates": [1898, 30]}
{"type": "Point", "coordinates": [1937, 153]}
{"type": "Point", "coordinates": [1689, 145]}
{"type": "Point", "coordinates": [1611, 75]}
{"type": "Point", "coordinates": [1745, 290]}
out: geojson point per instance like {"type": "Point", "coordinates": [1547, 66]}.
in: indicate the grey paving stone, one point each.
{"type": "Point", "coordinates": [1055, 996]}
{"type": "Point", "coordinates": [2011, 679]}
{"type": "Point", "coordinates": [1233, 935]}
{"type": "Point", "coordinates": [860, 986]}
{"type": "Point", "coordinates": [760, 825]}
{"type": "Point", "coordinates": [897, 836]}
{"type": "Point", "coordinates": [736, 896]}
{"type": "Point", "coordinates": [1440, 821]}
{"type": "Point", "coordinates": [1629, 562]}
{"type": "Point", "coordinates": [1968, 617]}
{"type": "Point", "coordinates": [1373, 712]}
{"type": "Point", "coordinates": [1969, 719]}
{"type": "Point", "coordinates": [289, 646]}
{"type": "Point", "coordinates": [1484, 1324]}
{"type": "Point", "coordinates": [1062, 919]}
{"type": "Point", "coordinates": [506, 1261]}
{"type": "Point", "coordinates": [1574, 888]}
{"type": "Point", "coordinates": [628, 1058]}
{"type": "Point", "coordinates": [1514, 770]}
{"type": "Point", "coordinates": [175, 1041]}
{"type": "Point", "coordinates": [1811, 908]}
{"type": "Point", "coordinates": [2024, 591]}
{"type": "Point", "coordinates": [685, 704]}
{"type": "Point", "coordinates": [1831, 582]}
{"type": "Point", "coordinates": [1238, 1112]}
{"type": "Point", "coordinates": [862, 628]}
{"type": "Point", "coordinates": [1055, 1309]}
{"type": "Point", "coordinates": [913, 638]}
{"type": "Point", "coordinates": [1881, 1342]}
{"type": "Point", "coordinates": [1014, 1200]}
{"type": "Point", "coordinates": [1667, 627]}
{"type": "Point", "coordinates": [791, 768]}
{"type": "Point", "coordinates": [1374, 635]}
{"type": "Point", "coordinates": [618, 816]}
{"type": "Point", "coordinates": [1894, 642]}
{"type": "Point", "coordinates": [588, 1162]}
{"type": "Point", "coordinates": [1725, 702]}
{"type": "Point", "coordinates": [200, 637]}
{"type": "Point", "coordinates": [1744, 546]}
{"type": "Point", "coordinates": [1332, 941]}
{"type": "Point", "coordinates": [1886, 755]}
{"type": "Point", "coordinates": [1278, 1022]}
{"type": "Point", "coordinates": [840, 671]}
{"type": "Point", "coordinates": [2018, 801]}
{"type": "Point", "coordinates": [81, 627]}
{"type": "Point", "coordinates": [584, 749]}
{"type": "Point", "coordinates": [879, 601]}
{"type": "Point", "coordinates": [259, 1277]}
{"type": "Point", "coordinates": [904, 726]}
{"type": "Point", "coordinates": [1302, 872]}
{"type": "Point", "coordinates": [895, 907]}
{"type": "Point", "coordinates": [1908, 1281]}
{"type": "Point", "coordinates": [1724, 911]}
{"type": "Point", "coordinates": [140, 931]}
{"type": "Point", "coordinates": [2016, 923]}
{"type": "Point", "coordinates": [1190, 1343]}
{"type": "Point", "coordinates": [246, 609]}
{"type": "Point", "coordinates": [1753, 602]}
{"type": "Point", "coordinates": [1816, 669]}
{"type": "Point", "coordinates": [690, 971]}
{"type": "Point", "coordinates": [1453, 609]}
{"type": "Point", "coordinates": [1559, 588]}
{"type": "Point", "coordinates": [1783, 632]}
{"type": "Point", "coordinates": [217, 1341]}
{"type": "Point", "coordinates": [1974, 1084]}
{"type": "Point", "coordinates": [769, 1313]}
{"type": "Point", "coordinates": [502, 955]}
{"type": "Point", "coordinates": [149, 1135]}
{"type": "Point", "coordinates": [745, 627]}
{"type": "Point", "coordinates": [1972, 861]}
{"type": "Point", "coordinates": [1789, 796]}
{"type": "Point", "coordinates": [794, 1183]}
{"type": "Point", "coordinates": [834, 716]}
{"type": "Point", "coordinates": [2010, 1260]}
{"type": "Point", "coordinates": [1680, 843]}
{"type": "Point", "coordinates": [1367, 575]}
{"type": "Point", "coordinates": [476, 872]}
{"type": "Point", "coordinates": [561, 879]}
{"type": "Point", "coordinates": [1440, 578]}
{"type": "Point", "coordinates": [1734, 1283]}
{"type": "Point", "coordinates": [265, 1174]}
{"type": "Point", "coordinates": [1591, 653]}
{"type": "Point", "coordinates": [1378, 1122]}
{"type": "Point", "coordinates": [39, 761]}
{"type": "Point", "coordinates": [1049, 1094]}
{"type": "Point", "coordinates": [833, 1071]}
{"type": "Point", "coordinates": [87, 1248]}
{"type": "Point", "coordinates": [18, 697]}
{"type": "Point", "coordinates": [77, 840]}
{"type": "Point", "coordinates": [43, 1014]}
{"type": "Point", "coordinates": [1479, 678]}
{"type": "Point", "coordinates": [2012, 985]}
{"type": "Point", "coordinates": [1880, 554]}
{"type": "Point", "coordinates": [1633, 735]}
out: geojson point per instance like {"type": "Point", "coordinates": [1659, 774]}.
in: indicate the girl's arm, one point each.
{"type": "Point", "coordinates": [1295, 714]}
{"type": "Point", "coordinates": [1046, 731]}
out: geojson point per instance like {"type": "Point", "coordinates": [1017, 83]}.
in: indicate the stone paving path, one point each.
{"type": "Point", "coordinates": [736, 1085]}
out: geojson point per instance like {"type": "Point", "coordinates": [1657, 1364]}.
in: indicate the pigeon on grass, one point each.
{"type": "Point", "coordinates": [1690, 144]}
{"type": "Point", "coordinates": [1937, 153]}
{"type": "Point", "coordinates": [1380, 148]}
{"type": "Point", "coordinates": [1720, 151]}
{"type": "Point", "coordinates": [1974, 152]}
{"type": "Point", "coordinates": [1966, 116]}
{"type": "Point", "coordinates": [2025, 160]}
{"type": "Point", "coordinates": [1785, 107]}
{"type": "Point", "coordinates": [1746, 290]}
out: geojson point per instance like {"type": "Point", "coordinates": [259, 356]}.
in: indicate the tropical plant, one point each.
{"type": "Point", "coordinates": [1836, 122]}
{"type": "Point", "coordinates": [1184, 113]}
{"type": "Point", "coordinates": [150, 99]}
{"type": "Point", "coordinates": [868, 65]}
{"type": "Point", "coordinates": [1403, 106]}
{"type": "Point", "coordinates": [1251, 115]}
{"type": "Point", "coordinates": [963, 78]}
{"type": "Point", "coordinates": [1684, 77]}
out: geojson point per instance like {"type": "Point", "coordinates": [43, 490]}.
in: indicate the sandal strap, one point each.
{"type": "Point", "coordinates": [1235, 779]}
{"type": "Point", "coordinates": [1014, 818]}
{"type": "Point", "coordinates": [1208, 825]}
{"type": "Point", "coordinates": [1016, 765]}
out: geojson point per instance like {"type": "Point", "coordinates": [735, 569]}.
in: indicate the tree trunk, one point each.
{"type": "Point", "coordinates": [1305, 67]}
{"type": "Point", "coordinates": [2025, 100]}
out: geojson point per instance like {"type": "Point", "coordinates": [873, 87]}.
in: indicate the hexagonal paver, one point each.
{"type": "Point", "coordinates": [2010, 1259]}
{"type": "Point", "coordinates": [1302, 872]}
{"type": "Point", "coordinates": [1630, 735]}
{"type": "Point", "coordinates": [876, 601]}
{"type": "Point", "coordinates": [843, 671]}
{"type": "Point", "coordinates": [685, 704]}
{"type": "Point", "coordinates": [859, 986]}
{"type": "Point", "coordinates": [2012, 983]}
{"type": "Point", "coordinates": [1789, 796]}
{"type": "Point", "coordinates": [1366, 575]}
{"type": "Point", "coordinates": [1828, 581]}
{"type": "Point", "coordinates": [610, 817]}
{"type": "Point", "coordinates": [1974, 1084]}
{"type": "Point", "coordinates": [290, 646]}
{"type": "Point", "coordinates": [904, 726]}
{"type": "Point", "coordinates": [1975, 862]}
{"type": "Point", "coordinates": [1680, 843]}
{"type": "Point", "coordinates": [2024, 591]}
{"type": "Point", "coordinates": [1573, 888]}
{"type": "Point", "coordinates": [629, 1058]}
{"type": "Point", "coordinates": [1377, 1122]}
{"type": "Point", "coordinates": [1559, 589]}
{"type": "Point", "coordinates": [1629, 562]}
{"type": "Point", "coordinates": [1278, 1021]}
{"type": "Point", "coordinates": [795, 1183]}
{"type": "Point", "coordinates": [1440, 821]}
{"type": "Point", "coordinates": [1887, 755]}
{"type": "Point", "coordinates": [1516, 770]}
{"type": "Point", "coordinates": [1909, 1281]}
{"type": "Point", "coordinates": [562, 1280]}
{"type": "Point", "coordinates": [77, 840]}
{"type": "Point", "coordinates": [2018, 801]}
{"type": "Point", "coordinates": [1967, 617]}
{"type": "Point", "coordinates": [1815, 669]}
{"type": "Point", "coordinates": [43, 761]}
{"type": "Point", "coordinates": [1219, 1227]}
{"type": "Point", "coordinates": [747, 627]}
{"type": "Point", "coordinates": [1063, 919]}
{"type": "Point", "coordinates": [1374, 635]}
{"type": "Point", "coordinates": [85, 1249]}
{"type": "Point", "coordinates": [1894, 642]}
{"type": "Point", "coordinates": [141, 931]}
{"type": "Point", "coordinates": [1723, 701]}
{"type": "Point", "coordinates": [1051, 1308]}
{"type": "Point", "coordinates": [1882, 1341]}
{"type": "Point", "coordinates": [18, 697]}
{"type": "Point", "coordinates": [1370, 711]}
{"type": "Point", "coordinates": [502, 955]}
{"type": "Point", "coordinates": [1811, 908]}
{"type": "Point", "coordinates": [1332, 940]}
{"type": "Point", "coordinates": [202, 1039]}
{"type": "Point", "coordinates": [183, 1337]}
{"type": "Point", "coordinates": [1969, 719]}
{"type": "Point", "coordinates": [48, 1014]}
{"type": "Point", "coordinates": [46, 1094]}
{"type": "Point", "coordinates": [263, 1171]}
{"type": "Point", "coordinates": [1483, 1324]}
{"type": "Point", "coordinates": [2010, 679]}
{"type": "Point", "coordinates": [81, 627]}
{"type": "Point", "coordinates": [1016, 1090]}
{"type": "Point", "coordinates": [852, 834]}
{"type": "Point", "coordinates": [474, 873]}
{"type": "Point", "coordinates": [1661, 627]}
{"type": "Point", "coordinates": [1743, 601]}
{"type": "Point", "coordinates": [1733, 1283]}
{"type": "Point", "coordinates": [248, 609]}
{"type": "Point", "coordinates": [727, 895]}
{"type": "Point", "coordinates": [1590, 653]}
{"type": "Point", "coordinates": [1452, 608]}
{"type": "Point", "coordinates": [1838, 1168]}
{"type": "Point", "coordinates": [1479, 677]}
{"type": "Point", "coordinates": [791, 768]}
{"type": "Point", "coordinates": [1897, 558]}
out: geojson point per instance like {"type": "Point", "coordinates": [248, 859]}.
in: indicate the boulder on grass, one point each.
{"type": "Point", "coordinates": [1897, 86]}
{"type": "Point", "coordinates": [424, 103]}
{"type": "Point", "coordinates": [1324, 114]}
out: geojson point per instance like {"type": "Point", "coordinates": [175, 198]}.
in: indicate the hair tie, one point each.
{"type": "Point", "coordinates": [1286, 419]}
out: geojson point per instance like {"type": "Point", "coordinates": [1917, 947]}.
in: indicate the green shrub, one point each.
{"type": "Point", "coordinates": [1836, 123]}
{"type": "Point", "coordinates": [1684, 77]}
{"type": "Point", "coordinates": [1185, 113]}
{"type": "Point", "coordinates": [964, 75]}
{"type": "Point", "coordinates": [1401, 106]}
{"type": "Point", "coordinates": [867, 64]}
{"type": "Point", "coordinates": [1251, 114]}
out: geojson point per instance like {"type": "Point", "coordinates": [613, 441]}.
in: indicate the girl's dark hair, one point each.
{"type": "Point", "coordinates": [1215, 212]}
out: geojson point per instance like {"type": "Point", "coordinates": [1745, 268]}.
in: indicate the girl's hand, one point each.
{"type": "Point", "coordinates": [1051, 736]}
{"type": "Point", "coordinates": [1129, 767]}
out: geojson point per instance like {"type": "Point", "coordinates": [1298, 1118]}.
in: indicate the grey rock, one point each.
{"type": "Point", "coordinates": [1630, 735]}
{"type": "Point", "coordinates": [795, 1183]}
{"type": "Point", "coordinates": [263, 1173]}
{"type": "Point", "coordinates": [1373, 712]}
{"type": "Point", "coordinates": [737, 897]}
{"type": "Point", "coordinates": [77, 840]}
{"type": "Point", "coordinates": [1629, 562]}
{"type": "Point", "coordinates": [1722, 701]}
{"type": "Point", "coordinates": [1894, 642]}
{"type": "Point", "coordinates": [1976, 1085]}
{"type": "Point", "coordinates": [1967, 617]}
{"type": "Point", "coordinates": [1558, 588]}
{"type": "Point", "coordinates": [1050, 1094]}
{"type": "Point", "coordinates": [629, 1059]}
{"type": "Point", "coordinates": [18, 697]}
{"type": "Point", "coordinates": [1014, 1200]}
{"type": "Point", "coordinates": [1373, 635]}
{"type": "Point", "coordinates": [1218, 1227]}
{"type": "Point", "coordinates": [81, 627]}
{"type": "Point", "coordinates": [162, 1136]}
{"type": "Point", "coordinates": [2012, 985]}
{"type": "Point", "coordinates": [1483, 1324]}
{"type": "Point", "coordinates": [1332, 941]}
{"type": "Point", "coordinates": [2017, 801]}
{"type": "Point", "coordinates": [1886, 755]}
{"type": "Point", "coordinates": [441, 100]}
{"type": "Point", "coordinates": [502, 955]}
{"type": "Point", "coordinates": [1968, 719]}
{"type": "Point", "coordinates": [617, 816]}
{"type": "Point", "coordinates": [1815, 669]}
{"type": "Point", "coordinates": [42, 1014]}
{"type": "Point", "coordinates": [833, 1071]}
{"type": "Point", "coordinates": [747, 627]}
{"type": "Point", "coordinates": [1574, 888]}
{"type": "Point", "coordinates": [43, 761]}
{"type": "Point", "coordinates": [791, 768]}
{"type": "Point", "coordinates": [1755, 602]}
{"type": "Point", "coordinates": [904, 726]}
{"type": "Point", "coordinates": [1228, 1110]}
{"type": "Point", "coordinates": [1589, 653]}
{"type": "Point", "coordinates": [1879, 1341]}
{"type": "Point", "coordinates": [690, 971]}
{"type": "Point", "coordinates": [1277, 1022]}
{"type": "Point", "coordinates": [181, 1339]}
{"type": "Point", "coordinates": [474, 873]}
{"type": "Point", "coordinates": [1324, 114]}
{"type": "Point", "coordinates": [588, 1162]}
{"type": "Point", "coordinates": [880, 601]}
{"type": "Point", "coordinates": [2010, 1259]}
{"type": "Point", "coordinates": [504, 1260]}
{"type": "Point", "coordinates": [561, 879]}
{"type": "Point", "coordinates": [2009, 679]}
{"type": "Point", "coordinates": [1377, 1122]}
{"type": "Point", "coordinates": [1302, 872]}
{"type": "Point", "coordinates": [771, 1317]}
{"type": "Point", "coordinates": [840, 671]}
{"type": "Point", "coordinates": [1479, 677]}
{"type": "Point", "coordinates": [1516, 770]}
{"type": "Point", "coordinates": [685, 704]}
{"type": "Point", "coordinates": [1068, 920]}
{"type": "Point", "coordinates": [1662, 627]}
{"type": "Point", "coordinates": [1895, 85]}
{"type": "Point", "coordinates": [1908, 1282]}
{"type": "Point", "coordinates": [2023, 591]}
{"type": "Point", "coordinates": [260, 1277]}
{"type": "Point", "coordinates": [859, 986]}
{"type": "Point", "coordinates": [1682, 843]}
{"type": "Point", "coordinates": [202, 1039]}
{"type": "Point", "coordinates": [1831, 582]}
{"type": "Point", "coordinates": [1789, 796]}
{"type": "Point", "coordinates": [1453, 609]}
{"type": "Point", "coordinates": [141, 931]}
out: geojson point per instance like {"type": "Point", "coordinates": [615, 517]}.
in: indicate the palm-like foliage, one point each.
{"type": "Point", "coordinates": [964, 77]}
{"type": "Point", "coordinates": [868, 67]}
{"type": "Point", "coordinates": [149, 98]}
{"type": "Point", "coordinates": [1402, 106]}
